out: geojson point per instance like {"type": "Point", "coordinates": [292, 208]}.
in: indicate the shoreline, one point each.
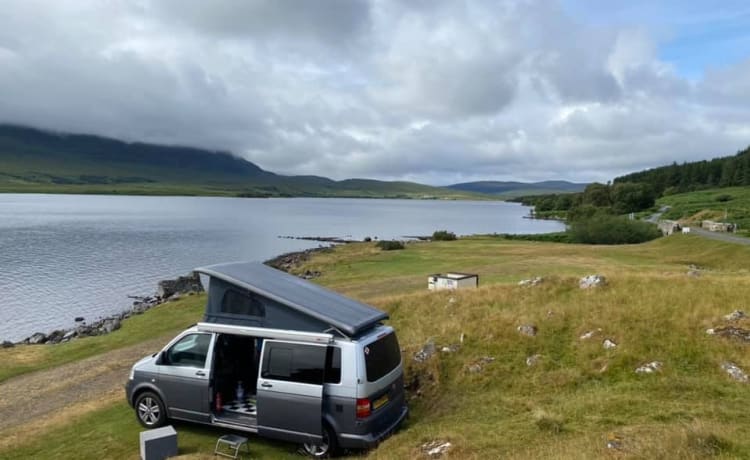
{"type": "Point", "coordinates": [168, 290]}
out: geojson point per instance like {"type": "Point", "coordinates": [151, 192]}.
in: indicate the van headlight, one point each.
{"type": "Point", "coordinates": [132, 373]}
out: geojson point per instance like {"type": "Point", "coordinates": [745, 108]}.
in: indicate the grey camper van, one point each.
{"type": "Point", "coordinates": [281, 357]}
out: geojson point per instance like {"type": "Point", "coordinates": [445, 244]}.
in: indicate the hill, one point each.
{"type": "Point", "coordinates": [515, 189]}
{"type": "Point", "coordinates": [728, 171]}
{"type": "Point", "coordinates": [33, 160]}
{"type": "Point", "coordinates": [496, 393]}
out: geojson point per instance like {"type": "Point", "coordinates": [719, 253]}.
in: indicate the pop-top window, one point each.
{"type": "Point", "coordinates": [381, 357]}
{"type": "Point", "coordinates": [240, 303]}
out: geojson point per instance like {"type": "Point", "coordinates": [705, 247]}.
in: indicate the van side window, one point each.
{"type": "Point", "coordinates": [241, 303]}
{"type": "Point", "coordinates": [333, 365]}
{"type": "Point", "coordinates": [190, 351]}
{"type": "Point", "coordinates": [294, 363]}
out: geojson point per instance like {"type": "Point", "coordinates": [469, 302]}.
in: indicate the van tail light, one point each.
{"type": "Point", "coordinates": [363, 408]}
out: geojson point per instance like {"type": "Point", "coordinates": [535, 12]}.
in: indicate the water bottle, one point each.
{"type": "Point", "coordinates": [240, 392]}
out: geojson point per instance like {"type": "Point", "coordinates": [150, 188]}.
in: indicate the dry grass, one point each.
{"type": "Point", "coordinates": [578, 396]}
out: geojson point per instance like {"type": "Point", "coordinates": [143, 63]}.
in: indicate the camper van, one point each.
{"type": "Point", "coordinates": [281, 357]}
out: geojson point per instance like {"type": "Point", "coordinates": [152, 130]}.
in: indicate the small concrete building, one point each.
{"type": "Point", "coordinates": [717, 226]}
{"type": "Point", "coordinates": [668, 227]}
{"type": "Point", "coordinates": [452, 280]}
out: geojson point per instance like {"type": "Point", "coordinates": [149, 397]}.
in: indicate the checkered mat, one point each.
{"type": "Point", "coordinates": [246, 406]}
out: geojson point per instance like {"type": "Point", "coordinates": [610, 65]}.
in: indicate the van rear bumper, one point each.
{"type": "Point", "coordinates": [370, 440]}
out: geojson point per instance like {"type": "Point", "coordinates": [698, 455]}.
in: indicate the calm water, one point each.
{"type": "Point", "coordinates": [64, 256]}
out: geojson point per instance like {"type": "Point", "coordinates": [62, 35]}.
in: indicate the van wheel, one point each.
{"type": "Point", "coordinates": [150, 410]}
{"type": "Point", "coordinates": [325, 448]}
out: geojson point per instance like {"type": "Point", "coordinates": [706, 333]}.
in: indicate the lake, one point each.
{"type": "Point", "coordinates": [65, 256]}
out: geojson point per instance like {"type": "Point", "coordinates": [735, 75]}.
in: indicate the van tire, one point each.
{"type": "Point", "coordinates": [327, 448]}
{"type": "Point", "coordinates": [149, 410]}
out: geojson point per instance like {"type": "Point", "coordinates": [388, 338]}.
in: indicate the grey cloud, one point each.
{"type": "Point", "coordinates": [331, 22]}
{"type": "Point", "coordinates": [430, 91]}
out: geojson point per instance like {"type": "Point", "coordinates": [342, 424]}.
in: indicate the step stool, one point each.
{"type": "Point", "coordinates": [230, 442]}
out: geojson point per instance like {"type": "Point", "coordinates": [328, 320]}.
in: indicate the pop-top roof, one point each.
{"type": "Point", "coordinates": [347, 315]}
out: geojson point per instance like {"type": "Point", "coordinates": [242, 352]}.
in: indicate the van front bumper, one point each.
{"type": "Point", "coordinates": [370, 440]}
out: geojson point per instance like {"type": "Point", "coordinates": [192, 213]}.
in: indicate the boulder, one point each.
{"type": "Point", "coordinates": [110, 325]}
{"type": "Point", "coordinates": [609, 344]}
{"type": "Point", "coordinates": [735, 315]}
{"type": "Point", "coordinates": [426, 352]}
{"type": "Point", "coordinates": [70, 334]}
{"type": "Point", "coordinates": [592, 281]}
{"type": "Point", "coordinates": [533, 360]}
{"type": "Point", "coordinates": [735, 372]}
{"type": "Point", "coordinates": [182, 285]}
{"type": "Point", "coordinates": [649, 368]}
{"type": "Point", "coordinates": [55, 337]}
{"type": "Point", "coordinates": [436, 449]}
{"type": "Point", "coordinates": [537, 280]}
{"type": "Point", "coordinates": [732, 332]}
{"type": "Point", "coordinates": [79, 319]}
{"type": "Point", "coordinates": [527, 329]}
{"type": "Point", "coordinates": [37, 338]}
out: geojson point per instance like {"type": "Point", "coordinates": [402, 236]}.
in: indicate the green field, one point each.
{"type": "Point", "coordinates": [723, 204]}
{"type": "Point", "coordinates": [568, 405]}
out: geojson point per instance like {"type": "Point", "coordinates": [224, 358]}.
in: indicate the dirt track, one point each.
{"type": "Point", "coordinates": [34, 396]}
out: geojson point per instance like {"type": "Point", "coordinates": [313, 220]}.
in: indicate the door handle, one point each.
{"type": "Point", "coordinates": [266, 385]}
{"type": "Point", "coordinates": [200, 373]}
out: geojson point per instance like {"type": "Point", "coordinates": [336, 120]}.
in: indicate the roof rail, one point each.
{"type": "Point", "coordinates": [281, 334]}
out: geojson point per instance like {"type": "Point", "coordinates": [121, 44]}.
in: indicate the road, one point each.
{"type": "Point", "coordinates": [727, 237]}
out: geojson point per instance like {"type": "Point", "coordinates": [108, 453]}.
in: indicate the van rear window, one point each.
{"type": "Point", "coordinates": [381, 357]}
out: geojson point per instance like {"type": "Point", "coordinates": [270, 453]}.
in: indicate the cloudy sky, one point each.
{"type": "Point", "coordinates": [426, 90]}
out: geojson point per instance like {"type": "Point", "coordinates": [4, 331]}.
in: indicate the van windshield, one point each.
{"type": "Point", "coordinates": [382, 356]}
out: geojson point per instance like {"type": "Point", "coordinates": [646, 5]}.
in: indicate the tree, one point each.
{"type": "Point", "coordinates": [597, 194]}
{"type": "Point", "coordinates": [629, 197]}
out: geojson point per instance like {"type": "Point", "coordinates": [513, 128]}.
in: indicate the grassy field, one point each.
{"type": "Point", "coordinates": [575, 399]}
{"type": "Point", "coordinates": [715, 204]}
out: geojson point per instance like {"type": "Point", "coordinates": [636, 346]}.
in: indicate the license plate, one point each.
{"type": "Point", "coordinates": [380, 402]}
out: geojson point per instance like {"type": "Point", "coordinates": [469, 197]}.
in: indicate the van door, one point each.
{"type": "Point", "coordinates": [184, 370]}
{"type": "Point", "coordinates": [290, 391]}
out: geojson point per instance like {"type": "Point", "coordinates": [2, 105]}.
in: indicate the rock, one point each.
{"type": "Point", "coordinates": [7, 344]}
{"type": "Point", "coordinates": [181, 285]}
{"type": "Point", "coordinates": [609, 344]}
{"type": "Point", "coordinates": [452, 300]}
{"type": "Point", "coordinates": [735, 315]}
{"type": "Point", "coordinates": [70, 334]}
{"type": "Point", "coordinates": [435, 449]}
{"type": "Point", "coordinates": [55, 337]}
{"type": "Point", "coordinates": [533, 360]}
{"type": "Point", "coordinates": [450, 348]}
{"type": "Point", "coordinates": [588, 334]}
{"type": "Point", "coordinates": [527, 329]}
{"type": "Point", "coordinates": [537, 280]}
{"type": "Point", "coordinates": [733, 332]}
{"type": "Point", "coordinates": [614, 441]}
{"type": "Point", "coordinates": [592, 281]}
{"type": "Point", "coordinates": [174, 297]}
{"type": "Point", "coordinates": [649, 368]}
{"type": "Point", "coordinates": [79, 319]}
{"type": "Point", "coordinates": [426, 352]}
{"type": "Point", "coordinates": [110, 325]}
{"type": "Point", "coordinates": [710, 331]}
{"type": "Point", "coordinates": [308, 275]}
{"type": "Point", "coordinates": [693, 273]}
{"type": "Point", "coordinates": [37, 338]}
{"type": "Point", "coordinates": [735, 372]}
{"type": "Point", "coordinates": [478, 366]}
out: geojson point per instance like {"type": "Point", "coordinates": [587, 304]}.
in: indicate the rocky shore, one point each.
{"type": "Point", "coordinates": [167, 290]}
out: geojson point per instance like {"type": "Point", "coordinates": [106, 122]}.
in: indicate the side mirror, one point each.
{"type": "Point", "coordinates": [162, 358]}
